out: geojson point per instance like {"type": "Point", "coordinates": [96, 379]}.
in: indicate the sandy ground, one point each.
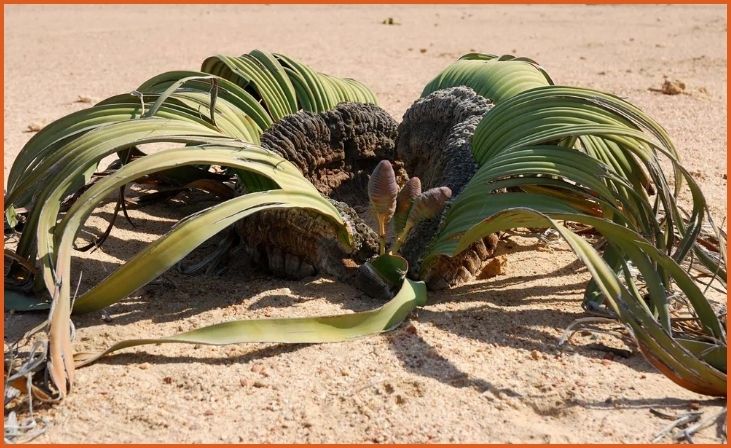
{"type": "Point", "coordinates": [480, 363]}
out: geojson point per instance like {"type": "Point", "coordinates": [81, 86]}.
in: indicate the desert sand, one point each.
{"type": "Point", "coordinates": [479, 363]}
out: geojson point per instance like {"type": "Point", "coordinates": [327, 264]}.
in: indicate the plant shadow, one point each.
{"type": "Point", "coordinates": [508, 311]}
{"type": "Point", "coordinates": [524, 313]}
{"type": "Point", "coordinates": [269, 351]}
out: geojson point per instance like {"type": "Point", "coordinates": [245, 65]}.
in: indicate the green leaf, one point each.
{"type": "Point", "coordinates": [213, 112]}
{"type": "Point", "coordinates": [11, 218]}
{"type": "Point", "coordinates": [302, 330]}
{"type": "Point", "coordinates": [495, 78]}
{"type": "Point", "coordinates": [390, 269]}
{"type": "Point", "coordinates": [295, 191]}
{"type": "Point", "coordinates": [666, 353]}
{"type": "Point", "coordinates": [189, 233]}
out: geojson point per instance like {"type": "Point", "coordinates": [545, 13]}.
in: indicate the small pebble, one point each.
{"type": "Point", "coordinates": [34, 127]}
{"type": "Point", "coordinates": [260, 369]}
{"type": "Point", "coordinates": [671, 87]}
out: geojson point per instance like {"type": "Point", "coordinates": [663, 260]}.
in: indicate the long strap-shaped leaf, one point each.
{"type": "Point", "coordinates": [188, 95]}
{"type": "Point", "coordinates": [247, 71]}
{"type": "Point", "coordinates": [490, 76]}
{"type": "Point", "coordinates": [192, 108]}
{"type": "Point", "coordinates": [295, 191]}
{"type": "Point", "coordinates": [242, 99]}
{"type": "Point", "coordinates": [669, 355]}
{"type": "Point", "coordinates": [317, 92]}
{"type": "Point", "coordinates": [186, 236]}
{"type": "Point", "coordinates": [156, 258]}
{"type": "Point", "coordinates": [52, 141]}
{"type": "Point", "coordinates": [553, 113]}
{"type": "Point", "coordinates": [301, 330]}
{"type": "Point", "coordinates": [62, 168]}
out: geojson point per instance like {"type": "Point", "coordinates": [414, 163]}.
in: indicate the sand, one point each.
{"type": "Point", "coordinates": [478, 364]}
